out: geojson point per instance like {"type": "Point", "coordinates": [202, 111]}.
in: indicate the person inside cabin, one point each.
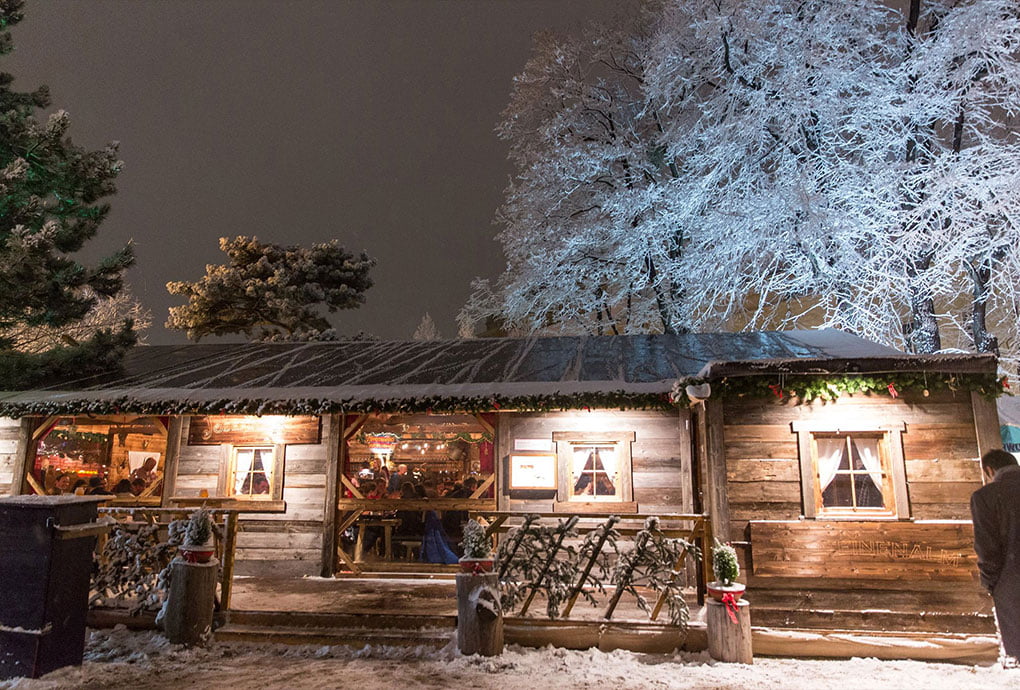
{"type": "Point", "coordinates": [397, 479]}
{"type": "Point", "coordinates": [995, 509]}
{"type": "Point", "coordinates": [97, 487]}
{"type": "Point", "coordinates": [122, 489]}
{"type": "Point", "coordinates": [147, 472]}
{"type": "Point", "coordinates": [378, 490]}
{"type": "Point", "coordinates": [63, 483]}
{"type": "Point", "coordinates": [79, 484]}
{"type": "Point", "coordinates": [260, 485]}
{"type": "Point", "coordinates": [137, 487]}
{"type": "Point", "coordinates": [411, 523]}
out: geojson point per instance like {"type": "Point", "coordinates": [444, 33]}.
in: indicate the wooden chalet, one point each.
{"type": "Point", "coordinates": [841, 469]}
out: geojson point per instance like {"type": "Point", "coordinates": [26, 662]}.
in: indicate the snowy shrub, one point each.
{"type": "Point", "coordinates": [724, 563]}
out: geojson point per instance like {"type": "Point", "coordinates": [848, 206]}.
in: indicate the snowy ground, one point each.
{"type": "Point", "coordinates": [124, 659]}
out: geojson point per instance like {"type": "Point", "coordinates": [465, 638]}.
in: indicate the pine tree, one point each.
{"type": "Point", "coordinates": [270, 292]}
{"type": "Point", "coordinates": [51, 194]}
{"type": "Point", "coordinates": [426, 330]}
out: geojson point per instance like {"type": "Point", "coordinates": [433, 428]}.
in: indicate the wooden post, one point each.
{"type": "Point", "coordinates": [23, 456]}
{"type": "Point", "coordinates": [729, 641]}
{"type": "Point", "coordinates": [174, 433]}
{"type": "Point", "coordinates": [188, 616]}
{"type": "Point", "coordinates": [229, 547]}
{"type": "Point", "coordinates": [479, 614]}
{"type": "Point", "coordinates": [335, 451]}
{"type": "Point", "coordinates": [986, 423]}
{"type": "Point", "coordinates": [716, 499]}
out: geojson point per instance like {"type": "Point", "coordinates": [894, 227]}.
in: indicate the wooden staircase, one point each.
{"type": "Point", "coordinates": [351, 629]}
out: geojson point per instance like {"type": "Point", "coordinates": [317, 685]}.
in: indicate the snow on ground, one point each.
{"type": "Point", "coordinates": [120, 658]}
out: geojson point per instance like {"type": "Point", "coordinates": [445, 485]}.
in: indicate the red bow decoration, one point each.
{"type": "Point", "coordinates": [1005, 382]}
{"type": "Point", "coordinates": [892, 390]}
{"type": "Point", "coordinates": [777, 390]}
{"type": "Point", "coordinates": [730, 602]}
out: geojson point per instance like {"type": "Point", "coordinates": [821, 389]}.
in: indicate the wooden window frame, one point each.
{"type": "Point", "coordinates": [890, 439]}
{"type": "Point", "coordinates": [565, 442]}
{"type": "Point", "coordinates": [225, 485]}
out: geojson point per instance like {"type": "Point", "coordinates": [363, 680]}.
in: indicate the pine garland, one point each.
{"type": "Point", "coordinates": [798, 388]}
{"type": "Point", "coordinates": [806, 388]}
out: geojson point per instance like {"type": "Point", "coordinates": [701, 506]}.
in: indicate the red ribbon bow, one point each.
{"type": "Point", "coordinates": [892, 390]}
{"type": "Point", "coordinates": [730, 602]}
{"type": "Point", "coordinates": [777, 390]}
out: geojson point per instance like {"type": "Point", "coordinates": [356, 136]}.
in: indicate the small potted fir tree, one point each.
{"type": "Point", "coordinates": [198, 544]}
{"type": "Point", "coordinates": [477, 556]}
{"type": "Point", "coordinates": [726, 569]}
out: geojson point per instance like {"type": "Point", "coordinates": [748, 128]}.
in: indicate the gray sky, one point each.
{"type": "Point", "coordinates": [298, 121]}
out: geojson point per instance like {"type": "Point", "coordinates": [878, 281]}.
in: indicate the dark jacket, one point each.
{"type": "Point", "coordinates": [996, 512]}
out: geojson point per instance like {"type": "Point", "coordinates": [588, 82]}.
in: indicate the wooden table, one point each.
{"type": "Point", "coordinates": [371, 521]}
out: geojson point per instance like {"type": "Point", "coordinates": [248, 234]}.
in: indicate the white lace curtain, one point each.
{"type": "Point", "coordinates": [242, 467]}
{"type": "Point", "coordinates": [830, 453]}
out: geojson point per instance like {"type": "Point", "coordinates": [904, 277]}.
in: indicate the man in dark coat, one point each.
{"type": "Point", "coordinates": [995, 508]}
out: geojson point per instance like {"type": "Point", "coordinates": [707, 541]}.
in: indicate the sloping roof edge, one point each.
{"type": "Point", "coordinates": [961, 363]}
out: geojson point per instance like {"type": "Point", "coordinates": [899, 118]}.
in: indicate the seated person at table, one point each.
{"type": "Point", "coordinates": [379, 490]}
{"type": "Point", "coordinates": [453, 520]}
{"type": "Point", "coordinates": [123, 489]}
{"type": "Point", "coordinates": [411, 523]}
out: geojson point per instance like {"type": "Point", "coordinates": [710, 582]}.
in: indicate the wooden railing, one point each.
{"type": "Point", "coordinates": [692, 527]}
{"type": "Point", "coordinates": [225, 539]}
{"type": "Point", "coordinates": [351, 510]}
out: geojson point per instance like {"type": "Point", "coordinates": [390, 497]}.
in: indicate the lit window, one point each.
{"type": "Point", "coordinates": [252, 472]}
{"type": "Point", "coordinates": [594, 473]}
{"type": "Point", "coordinates": [594, 466]}
{"type": "Point", "coordinates": [855, 474]}
{"type": "Point", "coordinates": [852, 473]}
{"type": "Point", "coordinates": [121, 457]}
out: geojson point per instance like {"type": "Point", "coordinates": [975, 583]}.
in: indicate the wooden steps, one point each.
{"type": "Point", "coordinates": [351, 629]}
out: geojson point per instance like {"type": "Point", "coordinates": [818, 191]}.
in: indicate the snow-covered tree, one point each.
{"type": "Point", "coordinates": [267, 291]}
{"type": "Point", "coordinates": [107, 314]}
{"type": "Point", "coordinates": [51, 204]}
{"type": "Point", "coordinates": [426, 330]}
{"type": "Point", "coordinates": [766, 164]}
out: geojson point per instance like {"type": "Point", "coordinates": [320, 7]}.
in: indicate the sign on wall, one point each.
{"type": "Point", "coordinates": [533, 471]}
{"type": "Point", "coordinates": [270, 429]}
{"type": "Point", "coordinates": [863, 550]}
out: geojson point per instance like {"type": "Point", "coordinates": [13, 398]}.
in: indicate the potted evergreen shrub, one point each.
{"type": "Point", "coordinates": [477, 556]}
{"type": "Point", "coordinates": [198, 544]}
{"type": "Point", "coordinates": [726, 568]}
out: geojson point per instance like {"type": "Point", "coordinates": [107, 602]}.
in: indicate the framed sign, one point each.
{"type": "Point", "coordinates": [270, 429]}
{"type": "Point", "coordinates": [533, 470]}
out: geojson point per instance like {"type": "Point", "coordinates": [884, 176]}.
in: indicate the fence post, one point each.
{"type": "Point", "coordinates": [229, 546]}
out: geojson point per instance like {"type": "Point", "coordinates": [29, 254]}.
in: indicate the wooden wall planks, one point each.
{"type": "Point", "coordinates": [792, 575]}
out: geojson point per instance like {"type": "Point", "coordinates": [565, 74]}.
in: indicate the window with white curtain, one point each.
{"type": "Point", "coordinates": [252, 472]}
{"type": "Point", "coordinates": [853, 474]}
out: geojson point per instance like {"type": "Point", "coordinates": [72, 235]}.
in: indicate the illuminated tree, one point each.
{"type": "Point", "coordinates": [749, 164]}
{"type": "Point", "coordinates": [270, 292]}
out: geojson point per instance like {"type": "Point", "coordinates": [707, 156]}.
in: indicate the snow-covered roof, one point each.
{"type": "Point", "coordinates": [632, 370]}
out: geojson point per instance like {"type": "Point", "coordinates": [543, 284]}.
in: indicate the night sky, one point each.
{"type": "Point", "coordinates": [298, 121]}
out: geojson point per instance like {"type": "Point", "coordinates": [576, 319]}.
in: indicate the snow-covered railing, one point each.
{"type": "Point", "coordinates": [566, 557]}
{"type": "Point", "coordinates": [130, 559]}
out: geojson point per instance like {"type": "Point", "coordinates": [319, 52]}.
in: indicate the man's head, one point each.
{"type": "Point", "coordinates": [149, 465]}
{"type": "Point", "coordinates": [401, 469]}
{"type": "Point", "coordinates": [64, 481]}
{"type": "Point", "coordinates": [470, 483]}
{"type": "Point", "coordinates": [995, 460]}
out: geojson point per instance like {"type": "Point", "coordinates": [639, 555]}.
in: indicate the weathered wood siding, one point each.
{"type": "Point", "coordinates": [763, 483]}
{"type": "Point", "coordinates": [9, 429]}
{"type": "Point", "coordinates": [660, 454]}
{"type": "Point", "coordinates": [280, 544]}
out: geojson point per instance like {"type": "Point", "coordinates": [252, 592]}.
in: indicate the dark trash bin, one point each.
{"type": "Point", "coordinates": [46, 545]}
